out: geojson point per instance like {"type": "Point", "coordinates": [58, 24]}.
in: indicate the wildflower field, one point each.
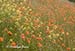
{"type": "Point", "coordinates": [37, 25]}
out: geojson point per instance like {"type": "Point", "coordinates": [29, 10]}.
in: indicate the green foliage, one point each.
{"type": "Point", "coordinates": [72, 0]}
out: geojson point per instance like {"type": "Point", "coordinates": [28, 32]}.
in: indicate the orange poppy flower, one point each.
{"type": "Point", "coordinates": [33, 36]}
{"type": "Point", "coordinates": [39, 38]}
{"type": "Point", "coordinates": [47, 31]}
{"type": "Point", "coordinates": [1, 39]}
{"type": "Point", "coordinates": [22, 36]}
{"type": "Point", "coordinates": [62, 30]}
{"type": "Point", "coordinates": [63, 45]}
{"type": "Point", "coordinates": [21, 8]}
{"type": "Point", "coordinates": [30, 12]}
{"type": "Point", "coordinates": [65, 19]}
{"type": "Point", "coordinates": [28, 40]}
{"type": "Point", "coordinates": [49, 24]}
{"type": "Point", "coordinates": [13, 44]}
{"type": "Point", "coordinates": [27, 32]}
{"type": "Point", "coordinates": [36, 21]}
{"type": "Point", "coordinates": [39, 45]}
{"type": "Point", "coordinates": [68, 49]}
{"type": "Point", "coordinates": [9, 33]}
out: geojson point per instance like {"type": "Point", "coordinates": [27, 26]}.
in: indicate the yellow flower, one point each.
{"type": "Point", "coordinates": [54, 36]}
{"type": "Point", "coordinates": [57, 35]}
{"type": "Point", "coordinates": [63, 32]}
{"type": "Point", "coordinates": [30, 9]}
{"type": "Point", "coordinates": [50, 36]}
{"type": "Point", "coordinates": [61, 38]}
{"type": "Point", "coordinates": [25, 0]}
{"type": "Point", "coordinates": [11, 40]}
{"type": "Point", "coordinates": [51, 31]}
{"type": "Point", "coordinates": [17, 23]}
{"type": "Point", "coordinates": [24, 28]}
{"type": "Point", "coordinates": [67, 33]}
{"type": "Point", "coordinates": [55, 27]}
{"type": "Point", "coordinates": [73, 48]}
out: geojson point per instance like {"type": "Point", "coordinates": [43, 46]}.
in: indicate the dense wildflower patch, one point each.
{"type": "Point", "coordinates": [42, 25]}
